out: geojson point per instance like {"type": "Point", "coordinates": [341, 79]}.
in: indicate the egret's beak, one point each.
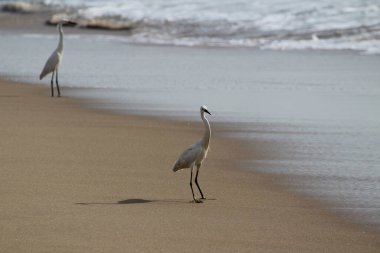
{"type": "Point", "coordinates": [207, 111]}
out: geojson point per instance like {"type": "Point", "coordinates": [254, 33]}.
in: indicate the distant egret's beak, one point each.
{"type": "Point", "coordinates": [207, 111]}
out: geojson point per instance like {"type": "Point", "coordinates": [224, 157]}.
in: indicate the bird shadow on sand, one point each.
{"type": "Point", "coordinates": [136, 201]}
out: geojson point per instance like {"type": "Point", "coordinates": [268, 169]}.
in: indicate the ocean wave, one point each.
{"type": "Point", "coordinates": [279, 25]}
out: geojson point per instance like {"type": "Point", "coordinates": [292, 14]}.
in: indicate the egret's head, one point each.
{"type": "Point", "coordinates": [204, 109]}
{"type": "Point", "coordinates": [67, 22]}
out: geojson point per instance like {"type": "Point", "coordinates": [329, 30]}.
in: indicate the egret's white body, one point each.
{"type": "Point", "coordinates": [194, 155]}
{"type": "Point", "coordinates": [52, 64]}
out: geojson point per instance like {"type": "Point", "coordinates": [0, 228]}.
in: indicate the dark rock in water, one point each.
{"type": "Point", "coordinates": [56, 18]}
{"type": "Point", "coordinates": [19, 7]}
{"type": "Point", "coordinates": [105, 24]}
{"type": "Point", "coordinates": [97, 23]}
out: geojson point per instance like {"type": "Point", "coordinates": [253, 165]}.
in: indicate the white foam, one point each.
{"type": "Point", "coordinates": [366, 46]}
{"type": "Point", "coordinates": [273, 24]}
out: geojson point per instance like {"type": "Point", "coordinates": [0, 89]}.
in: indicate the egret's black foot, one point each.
{"type": "Point", "coordinates": [197, 201]}
{"type": "Point", "coordinates": [203, 198]}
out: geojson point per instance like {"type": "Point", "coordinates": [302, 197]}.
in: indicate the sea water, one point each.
{"type": "Point", "coordinates": [270, 24]}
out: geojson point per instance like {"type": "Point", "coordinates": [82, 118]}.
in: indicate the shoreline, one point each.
{"type": "Point", "coordinates": [74, 208]}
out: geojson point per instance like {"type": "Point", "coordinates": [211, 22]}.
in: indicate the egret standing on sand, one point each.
{"type": "Point", "coordinates": [195, 154]}
{"type": "Point", "coordinates": [52, 64]}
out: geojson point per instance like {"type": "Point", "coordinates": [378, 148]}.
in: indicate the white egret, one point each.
{"type": "Point", "coordinates": [52, 64]}
{"type": "Point", "coordinates": [195, 154]}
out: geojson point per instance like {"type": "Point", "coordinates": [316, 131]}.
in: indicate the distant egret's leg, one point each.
{"type": "Point", "coordinates": [196, 181]}
{"type": "Point", "coordinates": [56, 81]}
{"type": "Point", "coordinates": [191, 186]}
{"type": "Point", "coordinates": [52, 83]}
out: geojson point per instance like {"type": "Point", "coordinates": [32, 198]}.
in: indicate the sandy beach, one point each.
{"type": "Point", "coordinates": [79, 180]}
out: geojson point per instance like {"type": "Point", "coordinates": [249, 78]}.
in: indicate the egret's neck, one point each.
{"type": "Point", "coordinates": [207, 134]}
{"type": "Point", "coordinates": [60, 43]}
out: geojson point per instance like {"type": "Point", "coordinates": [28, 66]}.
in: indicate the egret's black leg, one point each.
{"type": "Point", "coordinates": [52, 83]}
{"type": "Point", "coordinates": [56, 81]}
{"type": "Point", "coordinates": [191, 186]}
{"type": "Point", "coordinates": [191, 183]}
{"type": "Point", "coordinates": [196, 182]}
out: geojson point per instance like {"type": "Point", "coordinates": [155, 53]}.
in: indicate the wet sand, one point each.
{"type": "Point", "coordinates": [80, 180]}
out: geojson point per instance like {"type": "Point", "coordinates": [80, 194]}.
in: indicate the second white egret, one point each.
{"type": "Point", "coordinates": [52, 64]}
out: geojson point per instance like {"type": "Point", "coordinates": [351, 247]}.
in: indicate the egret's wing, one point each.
{"type": "Point", "coordinates": [50, 64]}
{"type": "Point", "coordinates": [188, 157]}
